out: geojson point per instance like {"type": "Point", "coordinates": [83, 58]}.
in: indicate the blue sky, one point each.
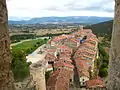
{"type": "Point", "coordinates": [25, 9]}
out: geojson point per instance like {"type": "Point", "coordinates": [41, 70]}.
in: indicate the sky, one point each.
{"type": "Point", "coordinates": [26, 9]}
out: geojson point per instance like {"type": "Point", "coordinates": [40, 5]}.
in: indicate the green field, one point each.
{"type": "Point", "coordinates": [29, 46]}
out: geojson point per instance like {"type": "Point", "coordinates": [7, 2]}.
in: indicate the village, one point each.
{"type": "Point", "coordinates": [70, 59]}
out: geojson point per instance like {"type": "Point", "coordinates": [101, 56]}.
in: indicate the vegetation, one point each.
{"type": "Point", "coordinates": [20, 67]}
{"type": "Point", "coordinates": [52, 35]}
{"type": "Point", "coordinates": [106, 41]}
{"type": "Point", "coordinates": [47, 75]}
{"type": "Point", "coordinates": [29, 46]}
{"type": "Point", "coordinates": [18, 38]}
{"type": "Point", "coordinates": [104, 58]}
{"type": "Point", "coordinates": [101, 29]}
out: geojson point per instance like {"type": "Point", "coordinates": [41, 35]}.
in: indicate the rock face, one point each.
{"type": "Point", "coordinates": [37, 73]}
{"type": "Point", "coordinates": [6, 80]}
{"type": "Point", "coordinates": [114, 65]}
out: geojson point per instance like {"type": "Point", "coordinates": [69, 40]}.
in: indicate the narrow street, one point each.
{"type": "Point", "coordinates": [76, 76]}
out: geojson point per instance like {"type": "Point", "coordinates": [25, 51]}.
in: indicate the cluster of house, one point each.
{"type": "Point", "coordinates": [67, 52]}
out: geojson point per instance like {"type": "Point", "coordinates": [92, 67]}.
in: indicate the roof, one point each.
{"type": "Point", "coordinates": [64, 54]}
{"type": "Point", "coordinates": [82, 67]}
{"type": "Point", "coordinates": [50, 57]}
{"type": "Point", "coordinates": [95, 83]}
{"type": "Point", "coordinates": [82, 64]}
{"type": "Point", "coordinates": [59, 38]}
{"type": "Point", "coordinates": [65, 48]}
{"type": "Point", "coordinates": [62, 63]}
{"type": "Point", "coordinates": [73, 40]}
{"type": "Point", "coordinates": [59, 79]}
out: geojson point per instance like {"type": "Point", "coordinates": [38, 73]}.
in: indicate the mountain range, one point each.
{"type": "Point", "coordinates": [61, 20]}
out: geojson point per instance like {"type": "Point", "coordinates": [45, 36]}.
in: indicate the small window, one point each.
{"type": "Point", "coordinates": [83, 79]}
{"type": "Point", "coordinates": [70, 80]}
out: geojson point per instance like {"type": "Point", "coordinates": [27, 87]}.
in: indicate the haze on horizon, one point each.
{"type": "Point", "coordinates": [26, 9]}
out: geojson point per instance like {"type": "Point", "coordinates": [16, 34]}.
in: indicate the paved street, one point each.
{"type": "Point", "coordinates": [36, 56]}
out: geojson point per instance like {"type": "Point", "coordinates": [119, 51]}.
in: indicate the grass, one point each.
{"type": "Point", "coordinates": [29, 46]}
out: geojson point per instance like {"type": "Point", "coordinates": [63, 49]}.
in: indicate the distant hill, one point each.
{"type": "Point", "coordinates": [102, 28]}
{"type": "Point", "coordinates": [59, 20]}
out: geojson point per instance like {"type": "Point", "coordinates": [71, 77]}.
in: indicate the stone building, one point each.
{"type": "Point", "coordinates": [37, 73]}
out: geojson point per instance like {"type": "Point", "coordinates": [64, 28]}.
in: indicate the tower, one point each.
{"type": "Point", "coordinates": [37, 72]}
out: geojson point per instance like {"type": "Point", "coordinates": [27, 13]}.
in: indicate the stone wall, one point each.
{"type": "Point", "coordinates": [6, 79]}
{"type": "Point", "coordinates": [114, 65]}
{"type": "Point", "coordinates": [37, 73]}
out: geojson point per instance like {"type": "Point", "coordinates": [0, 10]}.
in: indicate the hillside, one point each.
{"type": "Point", "coordinates": [61, 20]}
{"type": "Point", "coordinates": [102, 28]}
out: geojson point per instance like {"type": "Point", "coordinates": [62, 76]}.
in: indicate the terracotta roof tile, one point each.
{"type": "Point", "coordinates": [94, 83]}
{"type": "Point", "coordinates": [64, 48]}
{"type": "Point", "coordinates": [59, 79]}
{"type": "Point", "coordinates": [50, 57]}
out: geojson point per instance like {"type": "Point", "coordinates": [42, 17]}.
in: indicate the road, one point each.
{"type": "Point", "coordinates": [36, 55]}
{"type": "Point", "coordinates": [27, 40]}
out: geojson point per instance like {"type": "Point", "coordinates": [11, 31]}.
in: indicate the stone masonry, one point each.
{"type": "Point", "coordinates": [114, 65]}
{"type": "Point", "coordinates": [37, 72]}
{"type": "Point", "coordinates": [6, 79]}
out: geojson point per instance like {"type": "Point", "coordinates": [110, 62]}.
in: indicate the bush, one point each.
{"type": "Point", "coordinates": [104, 58]}
{"type": "Point", "coordinates": [47, 75]}
{"type": "Point", "coordinates": [103, 72]}
{"type": "Point", "coordinates": [20, 67]}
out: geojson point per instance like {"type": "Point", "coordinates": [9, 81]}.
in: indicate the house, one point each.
{"type": "Point", "coordinates": [50, 58]}
{"type": "Point", "coordinates": [57, 40]}
{"type": "Point", "coordinates": [64, 55]}
{"type": "Point", "coordinates": [49, 67]}
{"type": "Point", "coordinates": [52, 51]}
{"type": "Point", "coordinates": [64, 48]}
{"type": "Point", "coordinates": [95, 83]}
{"type": "Point", "coordinates": [83, 71]}
{"type": "Point", "coordinates": [59, 80]}
{"type": "Point", "coordinates": [64, 65]}
{"type": "Point", "coordinates": [72, 43]}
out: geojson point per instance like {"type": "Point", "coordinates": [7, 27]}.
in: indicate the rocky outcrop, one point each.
{"type": "Point", "coordinates": [6, 79]}
{"type": "Point", "coordinates": [37, 72]}
{"type": "Point", "coordinates": [114, 65]}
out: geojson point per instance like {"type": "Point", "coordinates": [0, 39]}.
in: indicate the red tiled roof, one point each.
{"type": "Point", "coordinates": [67, 60]}
{"type": "Point", "coordinates": [61, 63]}
{"type": "Point", "coordinates": [74, 40]}
{"type": "Point", "coordinates": [59, 79]}
{"type": "Point", "coordinates": [82, 63]}
{"type": "Point", "coordinates": [82, 67]}
{"type": "Point", "coordinates": [94, 83]}
{"type": "Point", "coordinates": [65, 48]}
{"type": "Point", "coordinates": [64, 54]}
{"type": "Point", "coordinates": [50, 57]}
{"type": "Point", "coordinates": [59, 38]}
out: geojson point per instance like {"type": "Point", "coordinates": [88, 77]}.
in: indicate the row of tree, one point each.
{"type": "Point", "coordinates": [103, 61]}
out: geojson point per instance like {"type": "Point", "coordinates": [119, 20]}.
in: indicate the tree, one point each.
{"type": "Point", "coordinates": [20, 67]}
{"type": "Point", "coordinates": [103, 72]}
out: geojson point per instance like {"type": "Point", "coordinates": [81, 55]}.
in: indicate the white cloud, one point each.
{"type": "Point", "coordinates": [41, 8]}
